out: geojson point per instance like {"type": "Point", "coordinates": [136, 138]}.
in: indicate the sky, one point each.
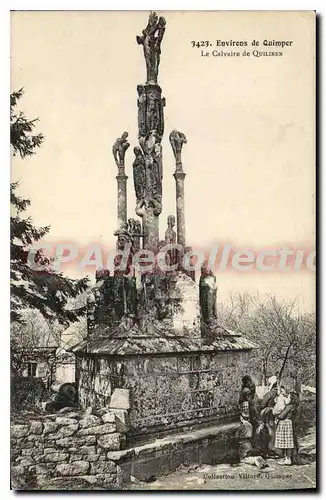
{"type": "Point", "coordinates": [249, 121]}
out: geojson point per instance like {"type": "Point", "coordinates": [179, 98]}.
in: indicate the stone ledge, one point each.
{"type": "Point", "coordinates": [173, 440]}
{"type": "Point", "coordinates": [210, 445]}
{"type": "Point", "coordinates": [112, 345]}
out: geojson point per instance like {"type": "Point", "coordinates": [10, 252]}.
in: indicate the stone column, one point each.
{"type": "Point", "coordinates": [122, 198]}
{"type": "Point", "coordinates": [180, 202]}
{"type": "Point", "coordinates": [150, 230]}
{"type": "Point", "coordinates": [119, 149]}
{"type": "Point", "coordinates": [147, 165]}
{"type": "Point", "coordinates": [177, 140]}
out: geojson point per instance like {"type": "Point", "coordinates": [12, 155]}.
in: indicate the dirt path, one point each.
{"type": "Point", "coordinates": [242, 477]}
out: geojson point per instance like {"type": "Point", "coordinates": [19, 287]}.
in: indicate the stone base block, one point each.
{"type": "Point", "coordinates": [148, 461]}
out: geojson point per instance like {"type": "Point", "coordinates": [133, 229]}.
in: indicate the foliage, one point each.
{"type": "Point", "coordinates": [47, 291]}
{"type": "Point", "coordinates": [286, 339]}
{"type": "Point", "coordinates": [27, 393]}
{"type": "Point", "coordinates": [22, 140]}
{"type": "Point", "coordinates": [33, 337]}
{"type": "Point", "coordinates": [307, 414]}
{"type": "Point", "coordinates": [29, 335]}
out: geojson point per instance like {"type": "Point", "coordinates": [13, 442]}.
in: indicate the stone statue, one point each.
{"type": "Point", "coordinates": [171, 238]}
{"type": "Point", "coordinates": [119, 149]}
{"type": "Point", "coordinates": [139, 174]}
{"type": "Point", "coordinates": [148, 143]}
{"type": "Point", "coordinates": [135, 233]}
{"type": "Point", "coordinates": [123, 236]}
{"type": "Point", "coordinates": [192, 262]}
{"type": "Point", "coordinates": [141, 110]}
{"type": "Point", "coordinates": [152, 149]}
{"type": "Point", "coordinates": [157, 172]}
{"type": "Point", "coordinates": [177, 140]}
{"type": "Point", "coordinates": [151, 40]}
{"type": "Point", "coordinates": [153, 110]}
{"type": "Point", "coordinates": [207, 295]}
{"type": "Point", "coordinates": [150, 111]}
{"type": "Point", "coordinates": [170, 234]}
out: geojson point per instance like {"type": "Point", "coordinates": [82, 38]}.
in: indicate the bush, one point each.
{"type": "Point", "coordinates": [307, 414]}
{"type": "Point", "coordinates": [27, 393]}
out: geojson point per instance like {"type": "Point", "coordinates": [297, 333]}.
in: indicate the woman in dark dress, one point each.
{"type": "Point", "coordinates": [247, 400]}
{"type": "Point", "coordinates": [267, 427]}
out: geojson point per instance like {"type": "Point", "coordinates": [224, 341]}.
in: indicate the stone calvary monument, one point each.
{"type": "Point", "coordinates": [154, 349]}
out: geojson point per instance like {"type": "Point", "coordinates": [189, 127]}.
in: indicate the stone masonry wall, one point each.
{"type": "Point", "coordinates": [168, 392]}
{"type": "Point", "coordinates": [65, 449]}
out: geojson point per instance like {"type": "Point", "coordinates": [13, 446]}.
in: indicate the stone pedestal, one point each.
{"type": "Point", "coordinates": [174, 382]}
{"type": "Point", "coordinates": [185, 308]}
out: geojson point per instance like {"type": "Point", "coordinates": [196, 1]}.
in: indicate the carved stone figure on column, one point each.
{"type": "Point", "coordinates": [157, 172]}
{"type": "Point", "coordinates": [124, 237]}
{"type": "Point", "coordinates": [177, 140]}
{"type": "Point", "coordinates": [153, 110]}
{"type": "Point", "coordinates": [148, 144]}
{"type": "Point", "coordinates": [207, 295]}
{"type": "Point", "coordinates": [139, 175]}
{"type": "Point", "coordinates": [119, 149]}
{"type": "Point", "coordinates": [170, 239]}
{"type": "Point", "coordinates": [135, 233]}
{"type": "Point", "coordinates": [170, 234]}
{"type": "Point", "coordinates": [151, 40]}
{"type": "Point", "coordinates": [141, 102]}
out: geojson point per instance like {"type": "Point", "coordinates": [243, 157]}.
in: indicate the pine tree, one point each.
{"type": "Point", "coordinates": [45, 290]}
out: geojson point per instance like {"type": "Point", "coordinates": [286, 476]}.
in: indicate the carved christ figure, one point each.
{"type": "Point", "coordinates": [119, 149]}
{"type": "Point", "coordinates": [177, 140]}
{"type": "Point", "coordinates": [151, 39]}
